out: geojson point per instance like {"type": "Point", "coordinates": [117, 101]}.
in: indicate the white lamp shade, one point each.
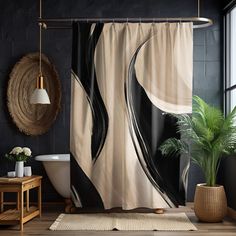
{"type": "Point", "coordinates": [39, 96]}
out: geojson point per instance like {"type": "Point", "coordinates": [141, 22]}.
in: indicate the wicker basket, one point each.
{"type": "Point", "coordinates": [29, 118]}
{"type": "Point", "coordinates": [210, 203]}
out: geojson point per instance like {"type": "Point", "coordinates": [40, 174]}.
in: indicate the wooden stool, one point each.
{"type": "Point", "coordinates": [20, 214]}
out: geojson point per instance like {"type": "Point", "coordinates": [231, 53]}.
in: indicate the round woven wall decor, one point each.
{"type": "Point", "coordinates": [33, 119]}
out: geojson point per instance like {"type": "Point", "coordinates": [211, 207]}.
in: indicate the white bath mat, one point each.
{"type": "Point", "coordinates": [123, 221]}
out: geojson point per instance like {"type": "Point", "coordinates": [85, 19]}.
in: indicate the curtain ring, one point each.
{"type": "Point", "coordinates": [167, 20]}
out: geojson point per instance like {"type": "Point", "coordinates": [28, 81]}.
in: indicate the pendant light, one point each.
{"type": "Point", "coordinates": [40, 95]}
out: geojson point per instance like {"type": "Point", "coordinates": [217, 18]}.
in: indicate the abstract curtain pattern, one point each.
{"type": "Point", "coordinates": [125, 78]}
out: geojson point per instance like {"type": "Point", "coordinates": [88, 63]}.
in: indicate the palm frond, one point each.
{"type": "Point", "coordinates": [173, 146]}
{"type": "Point", "coordinates": [214, 119]}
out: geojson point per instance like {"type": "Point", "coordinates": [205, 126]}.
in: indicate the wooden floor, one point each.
{"type": "Point", "coordinates": [40, 227]}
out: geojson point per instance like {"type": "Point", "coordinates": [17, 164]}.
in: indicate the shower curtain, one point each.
{"type": "Point", "coordinates": [126, 78]}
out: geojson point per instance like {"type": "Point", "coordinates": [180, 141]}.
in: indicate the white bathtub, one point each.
{"type": "Point", "coordinates": [57, 167]}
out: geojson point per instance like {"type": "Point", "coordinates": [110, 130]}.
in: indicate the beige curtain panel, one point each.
{"type": "Point", "coordinates": [125, 75]}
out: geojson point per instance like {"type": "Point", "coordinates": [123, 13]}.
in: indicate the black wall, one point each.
{"type": "Point", "coordinates": [19, 36]}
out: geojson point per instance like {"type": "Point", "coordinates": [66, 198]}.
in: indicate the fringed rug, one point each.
{"type": "Point", "coordinates": [123, 221]}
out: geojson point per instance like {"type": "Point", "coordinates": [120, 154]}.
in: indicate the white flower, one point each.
{"type": "Point", "coordinates": [27, 151]}
{"type": "Point", "coordinates": [16, 150]}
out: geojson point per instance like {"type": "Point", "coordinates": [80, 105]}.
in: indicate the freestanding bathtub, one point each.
{"type": "Point", "coordinates": [57, 167]}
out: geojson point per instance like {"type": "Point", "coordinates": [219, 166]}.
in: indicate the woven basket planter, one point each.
{"type": "Point", "coordinates": [210, 203]}
{"type": "Point", "coordinates": [30, 118]}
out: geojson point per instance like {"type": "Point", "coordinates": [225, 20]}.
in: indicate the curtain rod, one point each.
{"type": "Point", "coordinates": [230, 6]}
{"type": "Point", "coordinates": [198, 22]}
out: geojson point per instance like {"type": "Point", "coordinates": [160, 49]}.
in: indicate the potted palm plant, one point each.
{"type": "Point", "coordinates": [206, 136]}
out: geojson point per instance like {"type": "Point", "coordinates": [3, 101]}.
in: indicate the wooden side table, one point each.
{"type": "Point", "coordinates": [21, 214]}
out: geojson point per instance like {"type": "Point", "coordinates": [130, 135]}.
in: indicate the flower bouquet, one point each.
{"type": "Point", "coordinates": [19, 155]}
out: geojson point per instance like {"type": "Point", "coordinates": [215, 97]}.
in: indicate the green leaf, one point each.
{"type": "Point", "coordinates": [173, 146]}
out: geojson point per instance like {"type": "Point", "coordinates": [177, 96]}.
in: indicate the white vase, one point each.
{"type": "Point", "coordinates": [19, 168]}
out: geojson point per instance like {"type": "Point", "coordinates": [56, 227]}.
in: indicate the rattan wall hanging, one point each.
{"type": "Point", "coordinates": [29, 118]}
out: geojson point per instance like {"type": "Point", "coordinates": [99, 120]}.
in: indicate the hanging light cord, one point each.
{"type": "Point", "coordinates": [40, 96]}
{"type": "Point", "coordinates": [198, 8]}
{"type": "Point", "coordinates": [40, 38]}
